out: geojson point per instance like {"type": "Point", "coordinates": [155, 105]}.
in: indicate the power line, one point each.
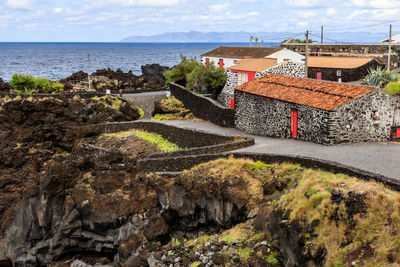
{"type": "Point", "coordinates": [336, 41]}
{"type": "Point", "coordinates": [363, 26]}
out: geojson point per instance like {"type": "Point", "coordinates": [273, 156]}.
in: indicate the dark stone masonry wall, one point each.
{"type": "Point", "coordinates": [203, 107]}
{"type": "Point", "coordinates": [269, 117]}
{"type": "Point", "coordinates": [183, 137]}
{"type": "Point", "coordinates": [354, 122]}
{"type": "Point", "coordinates": [347, 75]}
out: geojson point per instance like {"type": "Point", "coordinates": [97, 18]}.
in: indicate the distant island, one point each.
{"type": "Point", "coordinates": [242, 36]}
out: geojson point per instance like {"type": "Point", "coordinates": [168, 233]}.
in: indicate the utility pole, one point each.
{"type": "Point", "coordinates": [306, 59]}
{"type": "Point", "coordinates": [390, 46]}
{"type": "Point", "coordinates": [89, 70]}
{"type": "Point", "coordinates": [251, 38]}
{"type": "Point", "coordinates": [322, 34]}
{"type": "Point", "coordinates": [256, 39]}
{"type": "Point", "coordinates": [262, 43]}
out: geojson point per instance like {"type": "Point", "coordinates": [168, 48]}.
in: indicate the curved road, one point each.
{"type": "Point", "coordinates": [379, 158]}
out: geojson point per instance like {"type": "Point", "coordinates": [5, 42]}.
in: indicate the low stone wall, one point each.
{"type": "Point", "coordinates": [204, 107]}
{"type": "Point", "coordinates": [145, 101]}
{"type": "Point", "coordinates": [183, 137]}
{"type": "Point", "coordinates": [82, 95]}
{"type": "Point", "coordinates": [181, 163]}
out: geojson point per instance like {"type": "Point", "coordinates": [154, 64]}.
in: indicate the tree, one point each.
{"type": "Point", "coordinates": [197, 77]}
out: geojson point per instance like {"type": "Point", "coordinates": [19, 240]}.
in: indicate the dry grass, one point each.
{"type": "Point", "coordinates": [378, 227]}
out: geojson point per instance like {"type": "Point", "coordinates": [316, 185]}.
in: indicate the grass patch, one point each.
{"type": "Point", "coordinates": [273, 258]}
{"type": "Point", "coordinates": [171, 117]}
{"type": "Point", "coordinates": [393, 88]}
{"type": "Point", "coordinates": [141, 113]}
{"type": "Point", "coordinates": [163, 144]}
{"type": "Point", "coordinates": [195, 264]}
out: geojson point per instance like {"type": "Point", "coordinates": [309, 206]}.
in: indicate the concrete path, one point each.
{"type": "Point", "coordinates": [145, 101]}
{"type": "Point", "coordinates": [379, 158]}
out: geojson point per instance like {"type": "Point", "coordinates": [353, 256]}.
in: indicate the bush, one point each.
{"type": "Point", "coordinates": [58, 88]}
{"type": "Point", "coordinates": [379, 77]}
{"type": "Point", "coordinates": [197, 77]}
{"type": "Point", "coordinates": [42, 84]}
{"type": "Point", "coordinates": [27, 84]}
{"type": "Point", "coordinates": [23, 84]}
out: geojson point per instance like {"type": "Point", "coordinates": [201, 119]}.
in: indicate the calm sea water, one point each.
{"type": "Point", "coordinates": [60, 60]}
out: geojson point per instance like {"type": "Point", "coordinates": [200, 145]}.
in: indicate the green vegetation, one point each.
{"type": "Point", "coordinates": [163, 144]}
{"type": "Point", "coordinates": [272, 258]}
{"type": "Point", "coordinates": [28, 84]}
{"type": "Point", "coordinates": [299, 41]}
{"type": "Point", "coordinates": [393, 88]}
{"type": "Point", "coordinates": [195, 264]}
{"type": "Point", "coordinates": [141, 112]}
{"type": "Point", "coordinates": [197, 77]}
{"type": "Point", "coordinates": [379, 77]}
{"type": "Point", "coordinates": [58, 88]}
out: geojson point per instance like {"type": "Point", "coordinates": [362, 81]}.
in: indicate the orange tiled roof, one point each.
{"type": "Point", "coordinates": [338, 62]}
{"type": "Point", "coordinates": [308, 92]}
{"type": "Point", "coordinates": [254, 64]}
{"type": "Point", "coordinates": [242, 52]}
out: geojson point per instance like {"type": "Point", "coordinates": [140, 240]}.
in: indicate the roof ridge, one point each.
{"type": "Point", "coordinates": [305, 88]}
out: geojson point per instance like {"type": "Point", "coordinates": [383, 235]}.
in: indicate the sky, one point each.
{"type": "Point", "coordinates": [113, 20]}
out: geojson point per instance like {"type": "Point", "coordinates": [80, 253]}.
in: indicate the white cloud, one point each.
{"type": "Point", "coordinates": [308, 14]}
{"type": "Point", "coordinates": [144, 3]}
{"type": "Point", "coordinates": [58, 10]}
{"type": "Point", "coordinates": [219, 7]}
{"type": "Point", "coordinates": [305, 3]}
{"type": "Point", "coordinates": [331, 12]}
{"type": "Point", "coordinates": [376, 4]}
{"type": "Point", "coordinates": [302, 23]}
{"type": "Point", "coordinates": [22, 4]}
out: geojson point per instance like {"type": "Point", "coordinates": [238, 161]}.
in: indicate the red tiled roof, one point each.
{"type": "Point", "coordinates": [254, 64]}
{"type": "Point", "coordinates": [308, 92]}
{"type": "Point", "coordinates": [242, 52]}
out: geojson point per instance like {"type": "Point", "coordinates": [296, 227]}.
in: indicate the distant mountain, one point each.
{"type": "Point", "coordinates": [267, 37]}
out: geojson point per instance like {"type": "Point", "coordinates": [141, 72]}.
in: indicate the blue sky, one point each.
{"type": "Point", "coordinates": [113, 20]}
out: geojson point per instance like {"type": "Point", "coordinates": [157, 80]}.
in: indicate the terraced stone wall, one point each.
{"type": "Point", "coordinates": [203, 107]}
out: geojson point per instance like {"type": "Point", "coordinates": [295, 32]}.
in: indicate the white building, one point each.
{"type": "Point", "coordinates": [225, 56]}
{"type": "Point", "coordinates": [395, 39]}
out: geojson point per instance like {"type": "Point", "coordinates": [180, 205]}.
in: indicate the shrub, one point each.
{"type": "Point", "coordinates": [42, 84]}
{"type": "Point", "coordinates": [197, 77]}
{"type": "Point", "coordinates": [378, 77]}
{"type": "Point", "coordinates": [58, 88]}
{"type": "Point", "coordinates": [27, 84]}
{"type": "Point", "coordinates": [23, 84]}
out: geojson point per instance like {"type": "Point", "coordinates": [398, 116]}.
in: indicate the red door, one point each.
{"type": "Point", "coordinates": [398, 133]}
{"type": "Point", "coordinates": [232, 102]}
{"type": "Point", "coordinates": [221, 63]}
{"type": "Point", "coordinates": [251, 76]}
{"type": "Point", "coordinates": [319, 75]}
{"type": "Point", "coordinates": [207, 62]}
{"type": "Point", "coordinates": [294, 123]}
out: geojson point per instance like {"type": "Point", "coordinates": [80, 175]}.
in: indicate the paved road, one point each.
{"type": "Point", "coordinates": [380, 158]}
{"type": "Point", "coordinates": [145, 101]}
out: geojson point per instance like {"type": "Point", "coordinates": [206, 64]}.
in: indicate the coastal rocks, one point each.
{"type": "Point", "coordinates": [107, 79]}
{"type": "Point", "coordinates": [4, 86]}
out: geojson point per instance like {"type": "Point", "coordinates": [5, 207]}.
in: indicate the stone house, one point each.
{"type": "Point", "coordinates": [226, 56]}
{"type": "Point", "coordinates": [340, 69]}
{"type": "Point", "coordinates": [249, 69]}
{"type": "Point", "coordinates": [316, 111]}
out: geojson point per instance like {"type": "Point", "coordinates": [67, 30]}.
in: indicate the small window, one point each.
{"type": "Point", "coordinates": [339, 73]}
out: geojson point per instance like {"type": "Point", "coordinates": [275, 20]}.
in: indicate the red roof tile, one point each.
{"type": "Point", "coordinates": [242, 52]}
{"type": "Point", "coordinates": [314, 93]}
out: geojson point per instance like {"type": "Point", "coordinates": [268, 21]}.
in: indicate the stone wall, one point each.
{"type": "Point", "coordinates": [288, 68]}
{"type": "Point", "coordinates": [354, 122]}
{"type": "Point", "coordinates": [347, 75]}
{"type": "Point", "coordinates": [145, 101]}
{"type": "Point", "coordinates": [227, 93]}
{"type": "Point", "coordinates": [270, 117]}
{"type": "Point", "coordinates": [203, 107]}
{"type": "Point", "coordinates": [183, 137]}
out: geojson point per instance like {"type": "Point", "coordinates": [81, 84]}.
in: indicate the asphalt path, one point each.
{"type": "Point", "coordinates": [380, 158]}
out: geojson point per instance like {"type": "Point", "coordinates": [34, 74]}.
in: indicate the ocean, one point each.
{"type": "Point", "coordinates": [59, 60]}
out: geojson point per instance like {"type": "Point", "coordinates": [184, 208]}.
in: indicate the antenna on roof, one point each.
{"type": "Point", "coordinates": [256, 39]}
{"type": "Point", "coordinates": [251, 38]}
{"type": "Point", "coordinates": [262, 43]}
